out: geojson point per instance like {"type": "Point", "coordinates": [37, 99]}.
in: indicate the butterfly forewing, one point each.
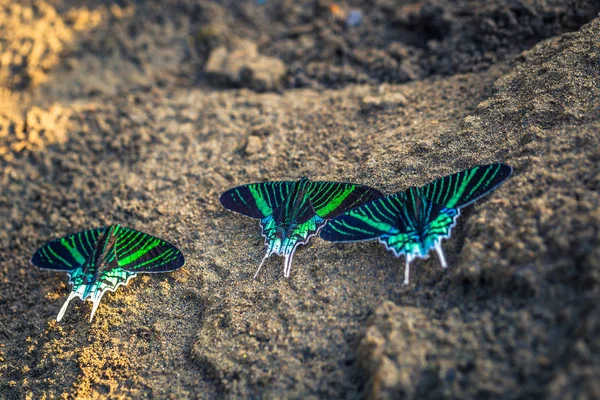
{"type": "Point", "coordinates": [368, 221]}
{"type": "Point", "coordinates": [330, 199]}
{"type": "Point", "coordinates": [257, 200]}
{"type": "Point", "coordinates": [465, 187]}
{"type": "Point", "coordinates": [139, 252]}
{"type": "Point", "coordinates": [69, 252]}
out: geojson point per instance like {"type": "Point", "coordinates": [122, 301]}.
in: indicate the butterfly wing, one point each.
{"type": "Point", "coordinates": [330, 199]}
{"type": "Point", "coordinates": [139, 252]}
{"type": "Point", "coordinates": [368, 221]}
{"type": "Point", "coordinates": [257, 200]}
{"type": "Point", "coordinates": [69, 252]}
{"type": "Point", "coordinates": [465, 187]}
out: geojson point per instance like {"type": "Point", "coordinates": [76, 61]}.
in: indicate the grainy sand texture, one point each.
{"type": "Point", "coordinates": [143, 112]}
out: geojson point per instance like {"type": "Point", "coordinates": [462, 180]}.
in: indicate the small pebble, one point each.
{"type": "Point", "coordinates": [254, 145]}
{"type": "Point", "coordinates": [354, 18]}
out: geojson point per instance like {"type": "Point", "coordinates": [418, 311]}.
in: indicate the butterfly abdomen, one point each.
{"type": "Point", "coordinates": [103, 254]}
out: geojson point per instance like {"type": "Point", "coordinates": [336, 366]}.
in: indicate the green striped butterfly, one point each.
{"type": "Point", "coordinates": [103, 259]}
{"type": "Point", "coordinates": [413, 222]}
{"type": "Point", "coordinates": [291, 212]}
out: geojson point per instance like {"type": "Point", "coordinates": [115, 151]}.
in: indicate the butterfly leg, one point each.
{"type": "Point", "coordinates": [407, 270]}
{"type": "Point", "coordinates": [440, 253]}
{"type": "Point", "coordinates": [63, 309]}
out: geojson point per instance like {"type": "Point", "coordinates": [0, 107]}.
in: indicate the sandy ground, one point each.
{"type": "Point", "coordinates": [142, 113]}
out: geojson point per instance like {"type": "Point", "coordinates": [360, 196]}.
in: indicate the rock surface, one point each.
{"type": "Point", "coordinates": [123, 129]}
{"type": "Point", "coordinates": [242, 65]}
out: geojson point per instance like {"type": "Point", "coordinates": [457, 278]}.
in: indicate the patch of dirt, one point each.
{"type": "Point", "coordinates": [240, 64]}
{"type": "Point", "coordinates": [33, 36]}
{"type": "Point", "coordinates": [34, 131]}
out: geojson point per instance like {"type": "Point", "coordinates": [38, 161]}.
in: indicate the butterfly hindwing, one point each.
{"type": "Point", "coordinates": [88, 285]}
{"type": "Point", "coordinates": [257, 200]}
{"type": "Point", "coordinates": [139, 252]}
{"type": "Point", "coordinates": [465, 187]}
{"type": "Point", "coordinates": [330, 199]}
{"type": "Point", "coordinates": [109, 278]}
{"type": "Point", "coordinates": [440, 224]}
{"type": "Point", "coordinates": [69, 252]}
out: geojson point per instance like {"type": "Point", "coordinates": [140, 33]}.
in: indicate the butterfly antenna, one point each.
{"type": "Point", "coordinates": [440, 253]}
{"type": "Point", "coordinates": [61, 313]}
{"type": "Point", "coordinates": [261, 264]}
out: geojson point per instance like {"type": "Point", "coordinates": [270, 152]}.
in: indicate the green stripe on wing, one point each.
{"type": "Point", "coordinates": [330, 199]}
{"type": "Point", "coordinates": [140, 252]}
{"type": "Point", "coordinates": [67, 253]}
{"type": "Point", "coordinates": [464, 188]}
{"type": "Point", "coordinates": [257, 200]}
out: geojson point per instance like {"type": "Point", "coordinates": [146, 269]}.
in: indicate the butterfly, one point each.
{"type": "Point", "coordinates": [291, 212]}
{"type": "Point", "coordinates": [103, 259]}
{"type": "Point", "coordinates": [413, 222]}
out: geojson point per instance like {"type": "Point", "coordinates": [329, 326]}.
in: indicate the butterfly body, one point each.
{"type": "Point", "coordinates": [414, 222]}
{"type": "Point", "coordinates": [419, 225]}
{"type": "Point", "coordinates": [292, 223]}
{"type": "Point", "coordinates": [291, 212]}
{"type": "Point", "coordinates": [101, 260]}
